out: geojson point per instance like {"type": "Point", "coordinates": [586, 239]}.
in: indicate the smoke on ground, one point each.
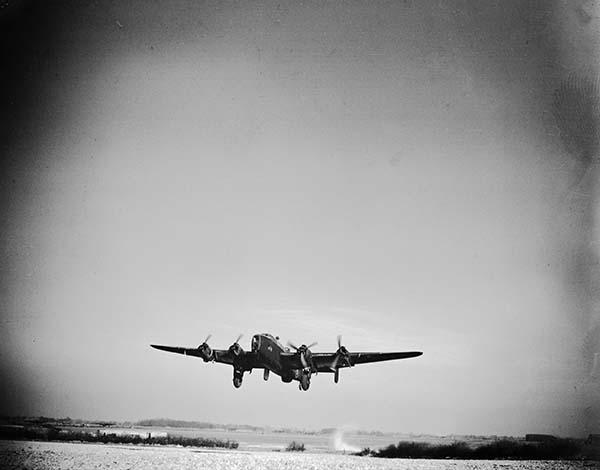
{"type": "Point", "coordinates": [338, 443]}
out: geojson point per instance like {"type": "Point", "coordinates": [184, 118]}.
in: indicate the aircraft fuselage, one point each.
{"type": "Point", "coordinates": [268, 352]}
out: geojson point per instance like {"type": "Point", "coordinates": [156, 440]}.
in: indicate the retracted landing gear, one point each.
{"type": "Point", "coordinates": [238, 376]}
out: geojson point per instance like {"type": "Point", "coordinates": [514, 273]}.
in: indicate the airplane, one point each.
{"type": "Point", "coordinates": [269, 354]}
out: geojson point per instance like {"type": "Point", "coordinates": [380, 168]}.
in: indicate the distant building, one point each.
{"type": "Point", "coordinates": [539, 438]}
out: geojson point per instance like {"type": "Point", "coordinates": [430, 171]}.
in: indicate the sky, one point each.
{"type": "Point", "coordinates": [395, 172]}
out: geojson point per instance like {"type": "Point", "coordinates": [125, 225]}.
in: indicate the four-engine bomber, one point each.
{"type": "Point", "coordinates": [298, 363]}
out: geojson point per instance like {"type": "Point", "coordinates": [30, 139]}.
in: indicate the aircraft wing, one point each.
{"type": "Point", "coordinates": [324, 361]}
{"type": "Point", "coordinates": [223, 356]}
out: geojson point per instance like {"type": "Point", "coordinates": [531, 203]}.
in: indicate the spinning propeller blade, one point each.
{"type": "Point", "coordinates": [303, 351]}
{"type": "Point", "coordinates": [206, 352]}
{"type": "Point", "coordinates": [235, 348]}
{"type": "Point", "coordinates": [204, 344]}
{"type": "Point", "coordinates": [341, 352]}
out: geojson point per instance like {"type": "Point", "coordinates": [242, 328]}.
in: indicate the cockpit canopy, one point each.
{"type": "Point", "coordinates": [255, 343]}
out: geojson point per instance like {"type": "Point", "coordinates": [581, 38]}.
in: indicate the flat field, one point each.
{"type": "Point", "coordinates": [29, 455]}
{"type": "Point", "coordinates": [339, 440]}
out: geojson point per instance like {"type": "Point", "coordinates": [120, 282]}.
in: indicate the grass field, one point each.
{"type": "Point", "coordinates": [28, 455]}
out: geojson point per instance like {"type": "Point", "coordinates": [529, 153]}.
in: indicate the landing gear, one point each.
{"type": "Point", "coordinates": [238, 376]}
{"type": "Point", "coordinates": [304, 381]}
{"type": "Point", "coordinates": [266, 374]}
{"type": "Point", "coordinates": [336, 375]}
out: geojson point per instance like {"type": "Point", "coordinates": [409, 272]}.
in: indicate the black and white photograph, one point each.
{"type": "Point", "coordinates": [300, 234]}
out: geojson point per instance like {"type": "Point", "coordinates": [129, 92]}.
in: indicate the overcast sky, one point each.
{"type": "Point", "coordinates": [388, 171]}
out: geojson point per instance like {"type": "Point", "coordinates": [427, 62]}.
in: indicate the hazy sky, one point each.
{"type": "Point", "coordinates": [388, 171]}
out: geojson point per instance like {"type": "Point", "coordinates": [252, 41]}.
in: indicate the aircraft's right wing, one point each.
{"type": "Point", "coordinates": [224, 356]}
{"type": "Point", "coordinates": [180, 350]}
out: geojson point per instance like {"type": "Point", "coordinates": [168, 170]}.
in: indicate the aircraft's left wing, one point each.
{"type": "Point", "coordinates": [325, 361]}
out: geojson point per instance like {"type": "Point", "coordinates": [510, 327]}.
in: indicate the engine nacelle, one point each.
{"type": "Point", "coordinates": [206, 353]}
{"type": "Point", "coordinates": [305, 356]}
{"type": "Point", "coordinates": [236, 349]}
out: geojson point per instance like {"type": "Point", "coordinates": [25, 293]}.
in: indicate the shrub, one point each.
{"type": "Point", "coordinates": [365, 451]}
{"type": "Point", "coordinates": [295, 447]}
{"type": "Point", "coordinates": [53, 434]}
{"type": "Point", "coordinates": [500, 449]}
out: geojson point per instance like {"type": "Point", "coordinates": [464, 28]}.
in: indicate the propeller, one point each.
{"type": "Point", "coordinates": [341, 353]}
{"type": "Point", "coordinates": [205, 349]}
{"type": "Point", "coordinates": [205, 342]}
{"type": "Point", "coordinates": [304, 352]}
{"type": "Point", "coordinates": [235, 348]}
{"type": "Point", "coordinates": [304, 346]}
